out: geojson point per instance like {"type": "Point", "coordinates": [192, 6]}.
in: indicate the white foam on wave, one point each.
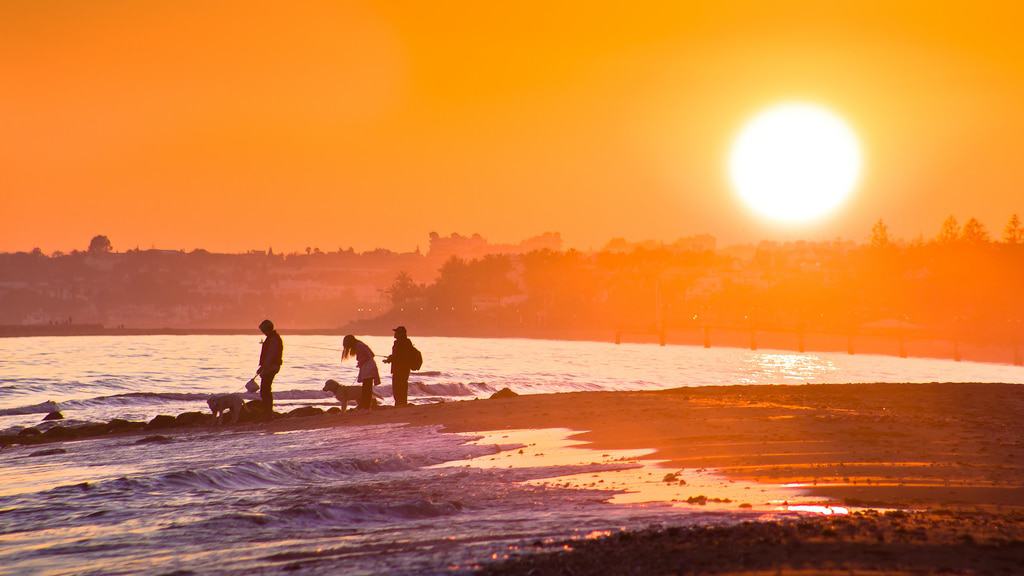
{"type": "Point", "coordinates": [140, 399]}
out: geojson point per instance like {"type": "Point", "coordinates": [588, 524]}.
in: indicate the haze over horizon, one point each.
{"type": "Point", "coordinates": [244, 126]}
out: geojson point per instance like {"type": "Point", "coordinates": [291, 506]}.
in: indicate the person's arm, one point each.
{"type": "Point", "coordinates": [263, 356]}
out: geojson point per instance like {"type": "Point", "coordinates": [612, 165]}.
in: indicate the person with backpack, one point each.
{"type": "Point", "coordinates": [404, 359]}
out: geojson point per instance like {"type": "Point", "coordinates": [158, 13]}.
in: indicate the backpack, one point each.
{"type": "Point", "coordinates": [415, 359]}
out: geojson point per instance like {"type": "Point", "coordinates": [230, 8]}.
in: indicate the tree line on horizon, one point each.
{"type": "Point", "coordinates": [960, 284]}
{"type": "Point", "coordinates": [972, 231]}
{"type": "Point", "coordinates": [951, 232]}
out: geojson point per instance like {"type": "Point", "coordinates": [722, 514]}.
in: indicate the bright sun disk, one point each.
{"type": "Point", "coordinates": [795, 162]}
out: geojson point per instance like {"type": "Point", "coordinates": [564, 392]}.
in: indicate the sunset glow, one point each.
{"type": "Point", "coordinates": [180, 125]}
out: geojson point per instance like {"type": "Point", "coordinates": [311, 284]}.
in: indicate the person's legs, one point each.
{"type": "Point", "coordinates": [367, 400]}
{"type": "Point", "coordinates": [400, 387]}
{"type": "Point", "coordinates": [267, 395]}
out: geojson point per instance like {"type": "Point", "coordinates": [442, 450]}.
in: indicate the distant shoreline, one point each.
{"type": "Point", "coordinates": [884, 345]}
{"type": "Point", "coordinates": [97, 330]}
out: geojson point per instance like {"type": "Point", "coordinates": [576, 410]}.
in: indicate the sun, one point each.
{"type": "Point", "coordinates": [795, 162]}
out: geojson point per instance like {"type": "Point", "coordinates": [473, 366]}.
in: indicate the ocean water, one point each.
{"type": "Point", "coordinates": [98, 378]}
{"type": "Point", "coordinates": [355, 500]}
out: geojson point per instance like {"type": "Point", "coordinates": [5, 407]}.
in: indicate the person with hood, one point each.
{"type": "Point", "coordinates": [402, 359]}
{"type": "Point", "coordinates": [271, 356]}
{"type": "Point", "coordinates": [368, 374]}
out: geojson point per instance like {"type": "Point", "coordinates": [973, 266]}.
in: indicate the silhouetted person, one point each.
{"type": "Point", "coordinates": [403, 359]}
{"type": "Point", "coordinates": [368, 374]}
{"type": "Point", "coordinates": [270, 364]}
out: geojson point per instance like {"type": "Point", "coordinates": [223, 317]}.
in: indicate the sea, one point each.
{"type": "Point", "coordinates": [381, 499]}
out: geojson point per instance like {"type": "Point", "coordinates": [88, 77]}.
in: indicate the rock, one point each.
{"type": "Point", "coordinates": [304, 412]}
{"type": "Point", "coordinates": [156, 439]}
{"type": "Point", "coordinates": [97, 429]}
{"type": "Point", "coordinates": [119, 425]}
{"type": "Point", "coordinates": [162, 421]}
{"type": "Point", "coordinates": [334, 410]}
{"type": "Point", "coordinates": [504, 393]}
{"type": "Point", "coordinates": [194, 419]}
{"type": "Point", "coordinates": [29, 432]}
{"type": "Point", "coordinates": [253, 412]}
{"type": "Point", "coordinates": [49, 452]}
{"type": "Point", "coordinates": [59, 433]}
{"type": "Point", "coordinates": [56, 415]}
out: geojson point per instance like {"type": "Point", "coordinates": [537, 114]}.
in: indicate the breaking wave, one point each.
{"type": "Point", "coordinates": [452, 389]}
{"type": "Point", "coordinates": [41, 408]}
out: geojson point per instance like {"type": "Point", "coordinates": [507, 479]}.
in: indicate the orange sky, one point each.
{"type": "Point", "coordinates": [293, 124]}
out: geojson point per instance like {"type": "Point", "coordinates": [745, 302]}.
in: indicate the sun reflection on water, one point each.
{"type": "Point", "coordinates": [766, 366]}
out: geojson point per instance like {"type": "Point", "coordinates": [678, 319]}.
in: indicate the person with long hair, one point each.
{"type": "Point", "coordinates": [368, 374]}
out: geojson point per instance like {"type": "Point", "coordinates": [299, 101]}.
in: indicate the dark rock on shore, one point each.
{"type": "Point", "coordinates": [156, 439]}
{"type": "Point", "coordinates": [193, 419]}
{"type": "Point", "coordinates": [50, 452]}
{"type": "Point", "coordinates": [120, 425]}
{"type": "Point", "coordinates": [87, 430]}
{"type": "Point", "coordinates": [162, 421]}
{"type": "Point", "coordinates": [504, 393]}
{"type": "Point", "coordinates": [252, 412]}
{"type": "Point", "coordinates": [304, 412]}
{"type": "Point", "coordinates": [56, 415]}
{"type": "Point", "coordinates": [334, 410]}
{"type": "Point", "coordinates": [58, 433]}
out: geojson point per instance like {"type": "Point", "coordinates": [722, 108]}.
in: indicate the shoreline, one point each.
{"type": "Point", "coordinates": [946, 459]}
{"type": "Point", "coordinates": [890, 445]}
{"type": "Point", "coordinates": [1006, 353]}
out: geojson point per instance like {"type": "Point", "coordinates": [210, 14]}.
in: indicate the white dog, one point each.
{"type": "Point", "coordinates": [346, 393]}
{"type": "Point", "coordinates": [222, 403]}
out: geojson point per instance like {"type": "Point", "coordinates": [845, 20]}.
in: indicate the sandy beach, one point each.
{"type": "Point", "coordinates": [912, 478]}
{"type": "Point", "coordinates": [943, 461]}
{"type": "Point", "coordinates": [866, 445]}
{"type": "Point", "coordinates": [889, 445]}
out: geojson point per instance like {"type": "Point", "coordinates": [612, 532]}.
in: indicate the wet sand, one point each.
{"type": "Point", "coordinates": [946, 460]}
{"type": "Point", "coordinates": [875, 445]}
{"type": "Point", "coordinates": [948, 457]}
{"type": "Point", "coordinates": [880, 445]}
